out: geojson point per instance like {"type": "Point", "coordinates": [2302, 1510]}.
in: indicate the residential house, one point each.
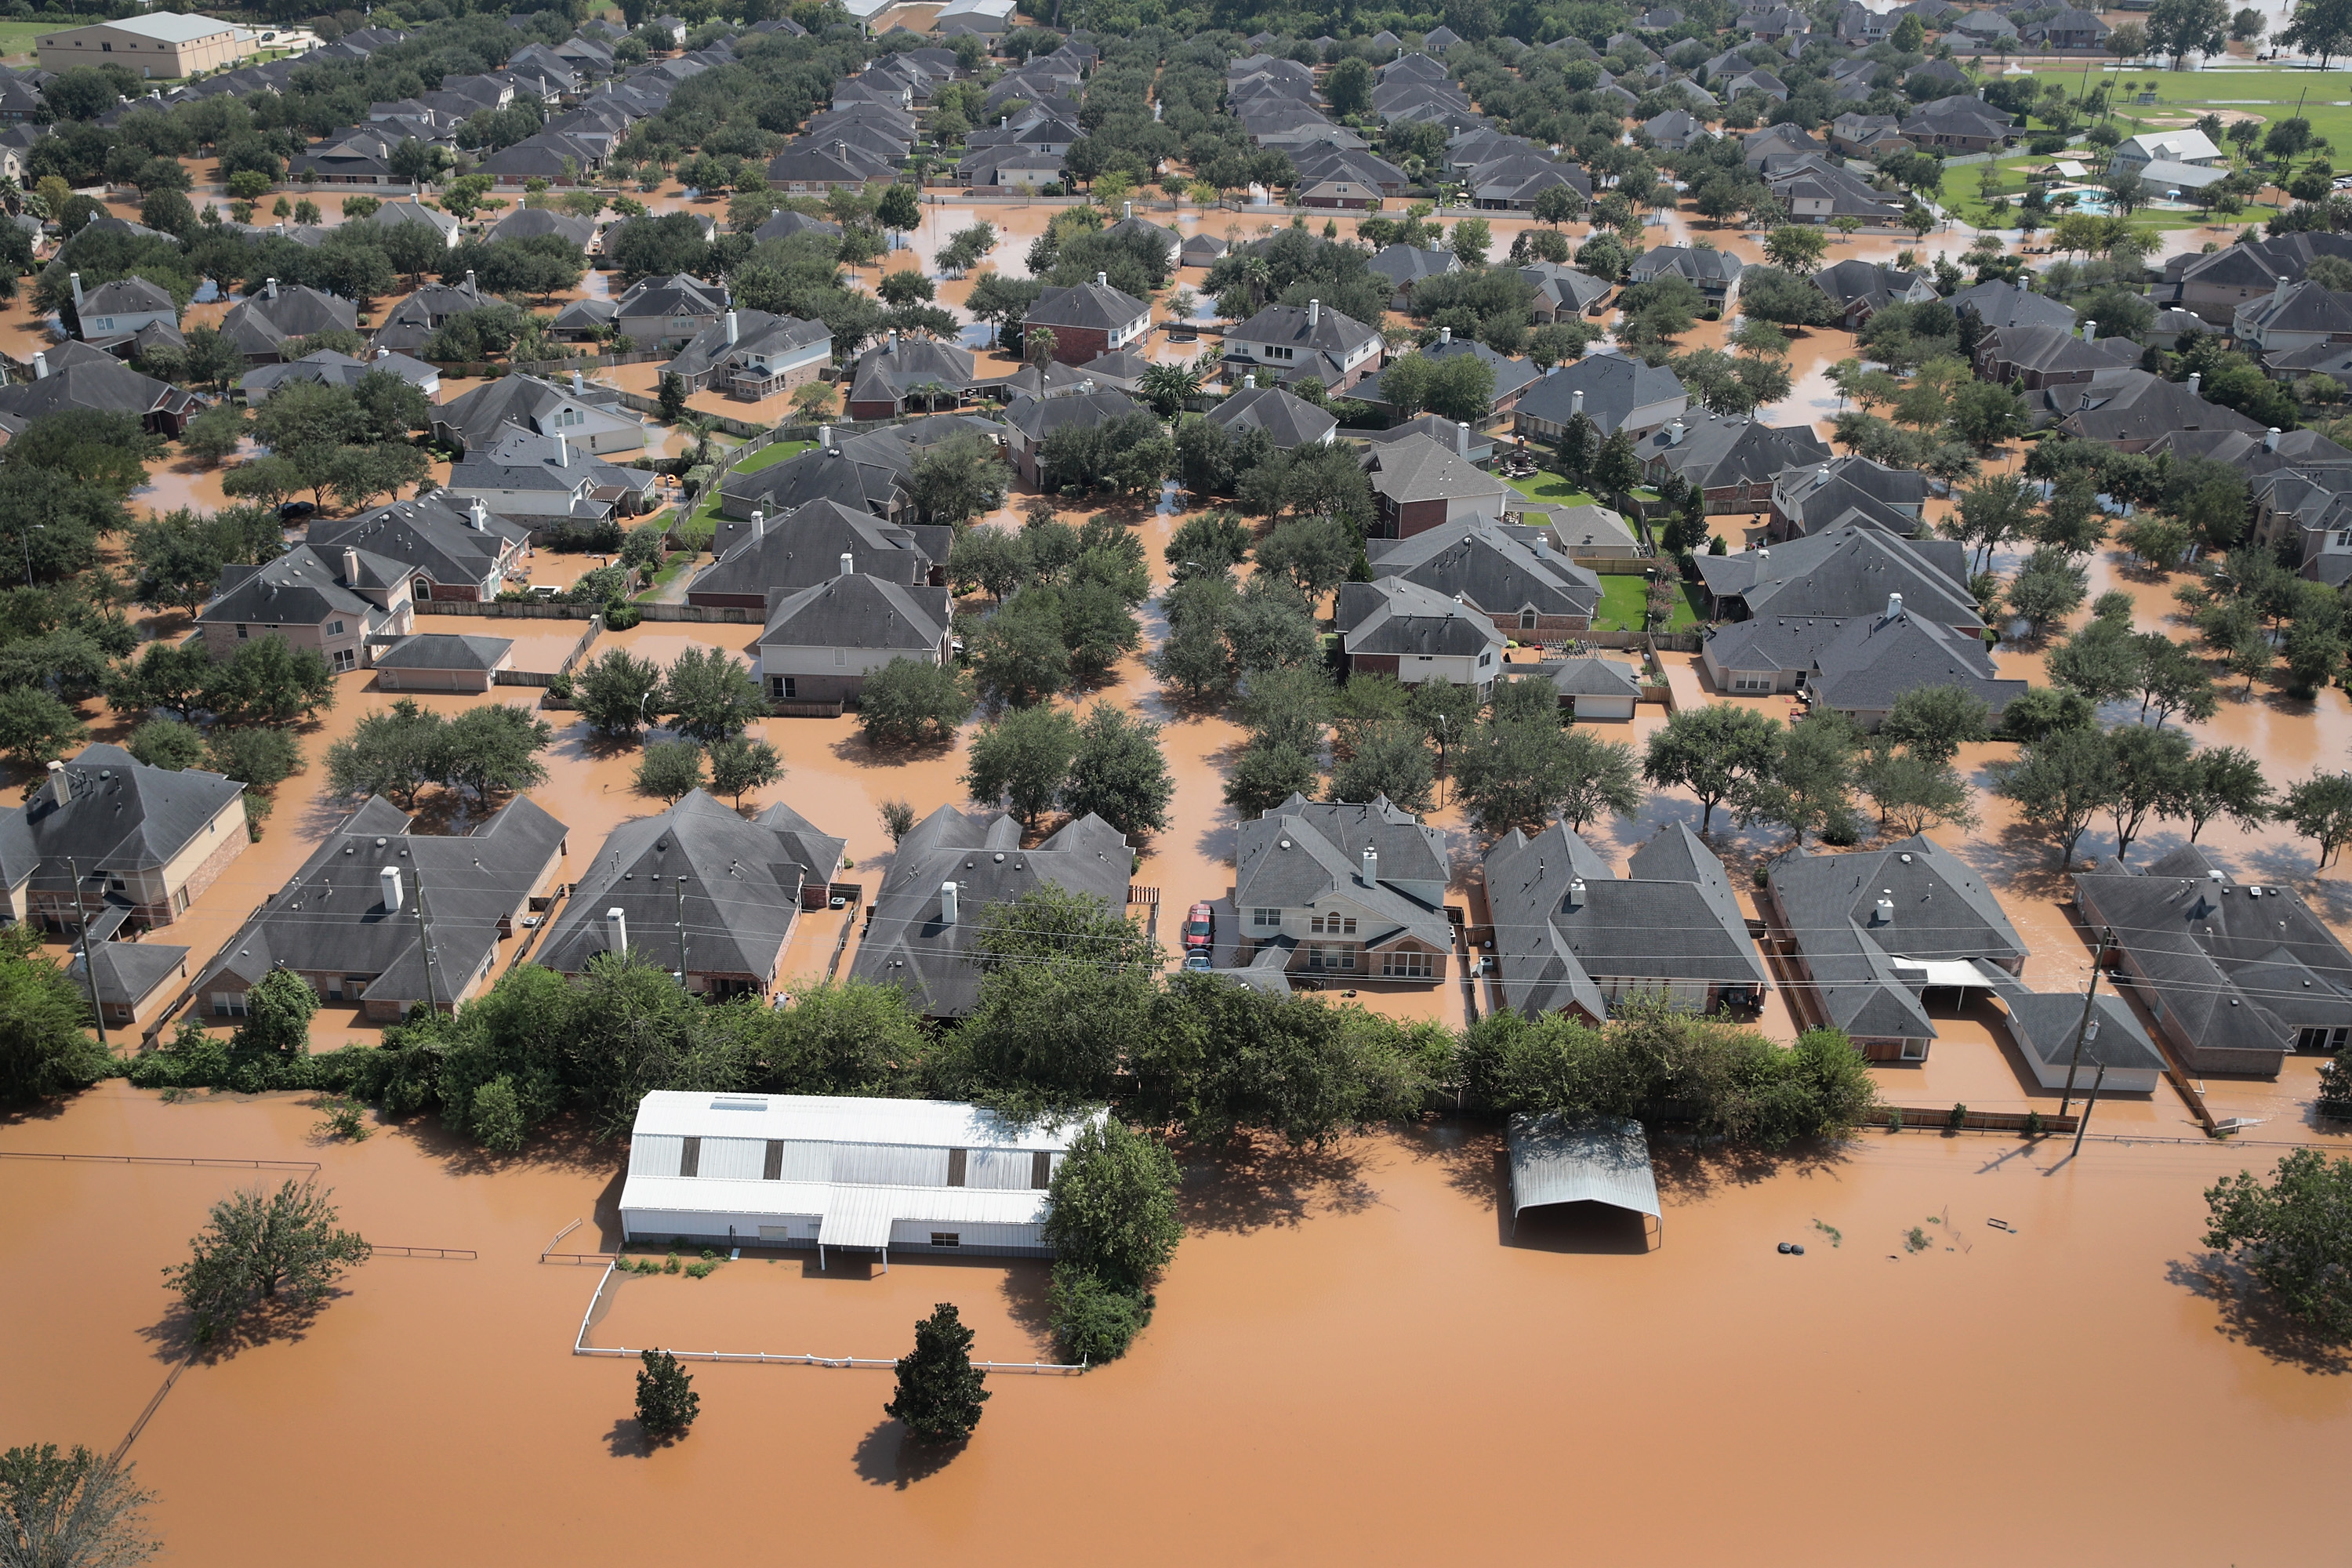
{"type": "Point", "coordinates": [1760, 149]}
{"type": "Point", "coordinates": [533, 223]}
{"type": "Point", "coordinates": [1861, 135]}
{"type": "Point", "coordinates": [1033, 419]}
{"type": "Point", "coordinates": [261, 324]}
{"type": "Point", "coordinates": [337, 603]}
{"type": "Point", "coordinates": [1512, 376]}
{"type": "Point", "coordinates": [1615, 392]}
{"type": "Point", "coordinates": [2129, 409]}
{"type": "Point", "coordinates": [408, 326]}
{"type": "Point", "coordinates": [2236, 974]}
{"type": "Point", "coordinates": [1288, 421]}
{"type": "Point", "coordinates": [949, 870]}
{"type": "Point", "coordinates": [1843, 572]}
{"type": "Point", "coordinates": [591, 421]}
{"type": "Point", "coordinates": [900, 375]}
{"type": "Point", "coordinates": [391, 214]}
{"type": "Point", "coordinates": [1850, 489]}
{"type": "Point", "coordinates": [1998, 304]}
{"type": "Point", "coordinates": [106, 840]}
{"type": "Point", "coordinates": [1397, 628]}
{"type": "Point", "coordinates": [754, 355]}
{"type": "Point", "coordinates": [784, 222]}
{"type": "Point", "coordinates": [2295, 316]}
{"type": "Point", "coordinates": [450, 551]}
{"type": "Point", "coordinates": [442, 661]}
{"type": "Point", "coordinates": [1089, 321]}
{"type": "Point", "coordinates": [1869, 933]}
{"type": "Point", "coordinates": [1958, 125]}
{"type": "Point", "coordinates": [1465, 442]}
{"type": "Point", "coordinates": [1284, 343]}
{"type": "Point", "coordinates": [2033, 359]}
{"type": "Point", "coordinates": [354, 921]}
{"type": "Point", "coordinates": [1732, 459]}
{"type": "Point", "coordinates": [821, 641]}
{"type": "Point", "coordinates": [1531, 592]}
{"type": "Point", "coordinates": [1714, 273]}
{"type": "Point", "coordinates": [873, 472]}
{"type": "Point", "coordinates": [1858, 290]}
{"type": "Point", "coordinates": [1353, 892]}
{"type": "Point", "coordinates": [330, 368]}
{"type": "Point", "coordinates": [125, 976]}
{"type": "Point", "coordinates": [541, 482]}
{"type": "Point", "coordinates": [1571, 936]}
{"type": "Point", "coordinates": [99, 381]}
{"type": "Point", "coordinates": [1591, 687]}
{"type": "Point", "coordinates": [2213, 284]}
{"type": "Point", "coordinates": [1856, 664]}
{"type": "Point", "coordinates": [698, 890]}
{"type": "Point", "coordinates": [1583, 533]}
{"type": "Point", "coordinates": [1564, 294]}
{"type": "Point", "coordinates": [1817, 191]}
{"type": "Point", "coordinates": [1675, 129]}
{"type": "Point", "coordinates": [754, 565]}
{"type": "Point", "coordinates": [111, 314]}
{"type": "Point", "coordinates": [1419, 484]}
{"type": "Point", "coordinates": [1406, 264]}
{"type": "Point", "coordinates": [669, 312]}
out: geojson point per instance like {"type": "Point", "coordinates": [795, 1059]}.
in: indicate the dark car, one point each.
{"type": "Point", "coordinates": [295, 511]}
{"type": "Point", "coordinates": [1201, 929]}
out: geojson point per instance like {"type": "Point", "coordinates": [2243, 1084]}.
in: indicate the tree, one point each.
{"type": "Point", "coordinates": [898, 820]}
{"type": "Point", "coordinates": [2059, 783]}
{"type": "Point", "coordinates": [1207, 544]}
{"type": "Point", "coordinates": [1914, 792]}
{"type": "Point", "coordinates": [710, 695]}
{"type": "Point", "coordinates": [616, 692]}
{"type": "Point", "coordinates": [2100, 661]}
{"type": "Point", "coordinates": [667, 1403]}
{"type": "Point", "coordinates": [1390, 758]}
{"type": "Point", "coordinates": [1113, 1209]}
{"type": "Point", "coordinates": [2293, 1235]}
{"type": "Point", "coordinates": [1471, 239]}
{"type": "Point", "coordinates": [393, 752]}
{"type": "Point", "coordinates": [940, 1391]}
{"type": "Point", "coordinates": [1597, 776]}
{"type": "Point", "coordinates": [1019, 653]}
{"type": "Point", "coordinates": [46, 1048]}
{"type": "Point", "coordinates": [671, 398]}
{"type": "Point", "coordinates": [260, 757]}
{"type": "Point", "coordinates": [669, 770]}
{"type": "Point", "coordinates": [901, 209]}
{"type": "Point", "coordinates": [493, 750]}
{"type": "Point", "coordinates": [2320, 809]}
{"type": "Point", "coordinates": [1313, 553]}
{"type": "Point", "coordinates": [1811, 779]}
{"type": "Point", "coordinates": [1023, 759]}
{"type": "Point", "coordinates": [36, 729]}
{"type": "Point", "coordinates": [740, 763]}
{"type": "Point", "coordinates": [1711, 752]}
{"type": "Point", "coordinates": [166, 743]}
{"type": "Point", "coordinates": [1119, 774]}
{"type": "Point", "coordinates": [1514, 771]}
{"type": "Point", "coordinates": [2047, 588]}
{"type": "Point", "coordinates": [79, 1509]}
{"type": "Point", "coordinates": [2147, 778]}
{"type": "Point", "coordinates": [2321, 27]}
{"type": "Point", "coordinates": [956, 480]}
{"type": "Point", "coordinates": [2220, 781]}
{"type": "Point", "coordinates": [1796, 247]}
{"type": "Point", "coordinates": [2177, 28]}
{"type": "Point", "coordinates": [1267, 772]}
{"type": "Point", "coordinates": [2172, 678]}
{"type": "Point", "coordinates": [273, 1247]}
{"type": "Point", "coordinates": [1349, 88]}
{"type": "Point", "coordinates": [1936, 722]}
{"type": "Point", "coordinates": [912, 701]}
{"type": "Point", "coordinates": [270, 681]}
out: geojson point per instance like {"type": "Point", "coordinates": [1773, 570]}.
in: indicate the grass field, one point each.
{"type": "Point", "coordinates": [707, 508]}
{"type": "Point", "coordinates": [1551, 490]}
{"type": "Point", "coordinates": [1622, 597]}
{"type": "Point", "coordinates": [19, 37]}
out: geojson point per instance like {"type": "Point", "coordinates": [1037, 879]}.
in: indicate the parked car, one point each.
{"type": "Point", "coordinates": [1198, 961]}
{"type": "Point", "coordinates": [1201, 929]}
{"type": "Point", "coordinates": [295, 511]}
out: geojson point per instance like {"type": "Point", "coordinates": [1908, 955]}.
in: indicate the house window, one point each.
{"type": "Point", "coordinates": [1486, 659]}
{"type": "Point", "coordinates": [1406, 964]}
{"type": "Point", "coordinates": [1751, 682]}
{"type": "Point", "coordinates": [1332, 925]}
{"type": "Point", "coordinates": [2344, 539]}
{"type": "Point", "coordinates": [241, 632]}
{"type": "Point", "coordinates": [1331, 956]}
{"type": "Point", "coordinates": [355, 986]}
{"type": "Point", "coordinates": [1526, 620]}
{"type": "Point", "coordinates": [334, 628]}
{"type": "Point", "coordinates": [1272, 350]}
{"type": "Point", "coordinates": [228, 1003]}
{"type": "Point", "coordinates": [783, 686]}
{"type": "Point", "coordinates": [2321, 1039]}
{"type": "Point", "coordinates": [840, 656]}
{"type": "Point", "coordinates": [947, 1238]}
{"type": "Point", "coordinates": [1914, 1050]}
{"type": "Point", "coordinates": [180, 902]}
{"type": "Point", "coordinates": [346, 659]}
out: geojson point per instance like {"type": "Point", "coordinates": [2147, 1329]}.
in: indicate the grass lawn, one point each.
{"type": "Point", "coordinates": [679, 561]}
{"type": "Point", "coordinates": [1622, 597]}
{"type": "Point", "coordinates": [706, 510]}
{"type": "Point", "coordinates": [1551, 490]}
{"type": "Point", "coordinates": [20, 37]}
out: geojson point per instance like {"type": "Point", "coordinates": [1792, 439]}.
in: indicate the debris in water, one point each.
{"type": "Point", "coordinates": [1797, 1248]}
{"type": "Point", "coordinates": [1918, 1240]}
{"type": "Point", "coordinates": [1785, 1247]}
{"type": "Point", "coordinates": [1837, 1237]}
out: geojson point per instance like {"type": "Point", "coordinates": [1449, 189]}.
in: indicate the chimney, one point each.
{"type": "Point", "coordinates": [75, 279]}
{"type": "Point", "coordinates": [1314, 312]}
{"type": "Point", "coordinates": [1371, 866]}
{"type": "Point", "coordinates": [849, 563]}
{"type": "Point", "coordinates": [58, 789]}
{"type": "Point", "coordinates": [269, 288]}
{"type": "Point", "coordinates": [470, 287]}
{"type": "Point", "coordinates": [562, 453]}
{"type": "Point", "coordinates": [825, 434]}
{"type": "Point", "coordinates": [2278, 296]}
{"type": "Point", "coordinates": [1126, 209]}
{"type": "Point", "coordinates": [481, 516]}
{"type": "Point", "coordinates": [947, 903]}
{"type": "Point", "coordinates": [2270, 441]}
{"type": "Point", "coordinates": [388, 880]}
{"type": "Point", "coordinates": [891, 347]}
{"type": "Point", "coordinates": [1821, 476]}
{"type": "Point", "coordinates": [383, 352]}
{"type": "Point", "coordinates": [579, 384]}
{"type": "Point", "coordinates": [758, 525]}
{"type": "Point", "coordinates": [350, 565]}
{"type": "Point", "coordinates": [1576, 892]}
{"type": "Point", "coordinates": [1894, 606]}
{"type": "Point", "coordinates": [40, 367]}
{"type": "Point", "coordinates": [2090, 332]}
{"type": "Point", "coordinates": [732, 329]}
{"type": "Point", "coordinates": [1883, 911]}
{"type": "Point", "coordinates": [1102, 279]}
{"type": "Point", "coordinates": [1444, 336]}
{"type": "Point", "coordinates": [1249, 382]}
{"type": "Point", "coordinates": [1576, 402]}
{"type": "Point", "coordinates": [616, 931]}
{"type": "Point", "coordinates": [2194, 377]}
{"type": "Point", "coordinates": [1464, 427]}
{"type": "Point", "coordinates": [1674, 433]}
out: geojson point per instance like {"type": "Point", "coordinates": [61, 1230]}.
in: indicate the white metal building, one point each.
{"type": "Point", "coordinates": [877, 1176]}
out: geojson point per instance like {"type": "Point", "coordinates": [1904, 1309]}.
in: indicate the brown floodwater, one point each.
{"type": "Point", "coordinates": [1707, 1399]}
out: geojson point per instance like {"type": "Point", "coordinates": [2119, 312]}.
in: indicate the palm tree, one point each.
{"type": "Point", "coordinates": [1039, 346]}
{"type": "Point", "coordinates": [1258, 278]}
{"type": "Point", "coordinates": [1170, 387]}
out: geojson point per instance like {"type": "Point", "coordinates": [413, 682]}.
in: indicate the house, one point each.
{"type": "Point", "coordinates": [2035, 358]}
{"type": "Point", "coordinates": [2294, 316]}
{"type": "Point", "coordinates": [1204, 250]}
{"type": "Point", "coordinates": [106, 840]}
{"type": "Point", "coordinates": [1397, 628]}
{"type": "Point", "coordinates": [668, 312]}
{"type": "Point", "coordinates": [1732, 459]}
{"type": "Point", "coordinates": [442, 661]}
{"type": "Point", "coordinates": [1869, 933]}
{"type": "Point", "coordinates": [1289, 421]}
{"type": "Point", "coordinates": [2187, 145]}
{"type": "Point", "coordinates": [449, 552]}
{"type": "Point", "coordinates": [2236, 974]}
{"type": "Point", "coordinates": [353, 922]}
{"type": "Point", "coordinates": [1512, 377]}
{"type": "Point", "coordinates": [1032, 419]}
{"type": "Point", "coordinates": [1817, 191]}
{"type": "Point", "coordinates": [863, 1175]}
{"type": "Point", "coordinates": [1977, 30]}
{"type": "Point", "coordinates": [1406, 264]}
{"type": "Point", "coordinates": [1850, 489]}
{"type": "Point", "coordinates": [1843, 572]}
{"type": "Point", "coordinates": [1858, 290]}
{"type": "Point", "coordinates": [784, 222]}
{"type": "Point", "coordinates": [754, 355]}
{"type": "Point", "coordinates": [1614, 391]}
{"type": "Point", "coordinates": [1089, 321]}
{"type": "Point", "coordinates": [540, 481]}
{"type": "Point", "coordinates": [1529, 590]}
{"type": "Point", "coordinates": [1715, 273]}
{"type": "Point", "coordinates": [99, 382]}
{"type": "Point", "coordinates": [1998, 304]}
{"type": "Point", "coordinates": [2165, 179]}
{"type": "Point", "coordinates": [2129, 409]}
{"type": "Point", "coordinates": [530, 223]}
{"type": "Point", "coordinates": [262, 324]}
{"type": "Point", "coordinates": [331, 368]}
{"type": "Point", "coordinates": [873, 473]}
{"type": "Point", "coordinates": [126, 975]}
{"type": "Point", "coordinates": [2215, 283]}
{"type": "Point", "coordinates": [1284, 343]}
{"type": "Point", "coordinates": [337, 602]}
{"type": "Point", "coordinates": [1959, 124]}
{"type": "Point", "coordinates": [1591, 687]}
{"type": "Point", "coordinates": [1349, 891]}
{"type": "Point", "coordinates": [1759, 150]}
{"type": "Point", "coordinates": [1676, 129]}
{"type": "Point", "coordinates": [1419, 484]}
{"type": "Point", "coordinates": [1861, 135]}
{"type": "Point", "coordinates": [698, 890]}
{"type": "Point", "coordinates": [1121, 372]}
{"type": "Point", "coordinates": [821, 641]}
{"type": "Point", "coordinates": [410, 325]}
{"type": "Point", "coordinates": [755, 566]}
{"type": "Point", "coordinates": [1564, 294]}
{"type": "Point", "coordinates": [946, 873]}
{"type": "Point", "coordinates": [1857, 664]}
{"type": "Point", "coordinates": [591, 421]}
{"type": "Point", "coordinates": [391, 214]}
{"type": "Point", "coordinates": [898, 375]}
{"type": "Point", "coordinates": [113, 313]}
{"type": "Point", "coordinates": [1582, 534]}
{"type": "Point", "coordinates": [1572, 936]}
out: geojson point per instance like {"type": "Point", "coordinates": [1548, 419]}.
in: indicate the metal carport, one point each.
{"type": "Point", "coordinates": [1599, 1159]}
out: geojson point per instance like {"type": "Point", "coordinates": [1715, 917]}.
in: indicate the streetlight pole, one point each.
{"type": "Point", "coordinates": [89, 969]}
{"type": "Point", "coordinates": [424, 944]}
{"type": "Point", "coordinates": [2084, 1028]}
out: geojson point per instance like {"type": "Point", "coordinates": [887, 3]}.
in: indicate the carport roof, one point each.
{"type": "Point", "coordinates": [1601, 1158]}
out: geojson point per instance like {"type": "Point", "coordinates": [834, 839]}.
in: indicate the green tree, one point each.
{"type": "Point", "coordinates": [270, 681]}
{"type": "Point", "coordinates": [739, 765]}
{"type": "Point", "coordinates": [1023, 759]}
{"type": "Point", "coordinates": [166, 743]}
{"type": "Point", "coordinates": [393, 752]}
{"type": "Point", "coordinates": [1471, 239]}
{"type": "Point", "coordinates": [1387, 758]}
{"type": "Point", "coordinates": [912, 701]}
{"type": "Point", "coordinates": [78, 1509]}
{"type": "Point", "coordinates": [1313, 553]}
{"type": "Point", "coordinates": [281, 1246]}
{"type": "Point", "coordinates": [1119, 774]}
{"type": "Point", "coordinates": [214, 434]}
{"type": "Point", "coordinates": [2101, 662]}
{"type": "Point", "coordinates": [2321, 27]}
{"type": "Point", "coordinates": [46, 1048]}
{"type": "Point", "coordinates": [2058, 784]}
{"type": "Point", "coordinates": [1018, 654]}
{"type": "Point", "coordinates": [1113, 1210]}
{"type": "Point", "coordinates": [1267, 772]}
{"type": "Point", "coordinates": [669, 398]}
{"type": "Point", "coordinates": [2178, 28]}
{"type": "Point", "coordinates": [2148, 777]}
{"type": "Point", "coordinates": [901, 209]}
{"type": "Point", "coordinates": [667, 1403]}
{"type": "Point", "coordinates": [939, 1392]}
{"type": "Point", "coordinates": [2220, 781]}
{"type": "Point", "coordinates": [616, 693]}
{"type": "Point", "coordinates": [1810, 783]}
{"type": "Point", "coordinates": [1597, 776]}
{"type": "Point", "coordinates": [493, 750]}
{"type": "Point", "coordinates": [1348, 89]}
{"type": "Point", "coordinates": [1914, 792]}
{"type": "Point", "coordinates": [669, 770]}
{"type": "Point", "coordinates": [2320, 808]}
{"type": "Point", "coordinates": [710, 695]}
{"type": "Point", "coordinates": [2293, 1235]}
{"type": "Point", "coordinates": [36, 729]}
{"type": "Point", "coordinates": [1936, 722]}
{"type": "Point", "coordinates": [262, 758]}
{"type": "Point", "coordinates": [1713, 751]}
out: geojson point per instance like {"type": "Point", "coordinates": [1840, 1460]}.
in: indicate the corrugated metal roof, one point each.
{"type": "Point", "coordinates": [851, 1205]}
{"type": "Point", "coordinates": [832, 1119]}
{"type": "Point", "coordinates": [1602, 1159]}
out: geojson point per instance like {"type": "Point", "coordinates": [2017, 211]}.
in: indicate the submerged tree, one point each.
{"type": "Point", "coordinates": [667, 1403]}
{"type": "Point", "coordinates": [76, 1509]}
{"type": "Point", "coordinates": [273, 1247]}
{"type": "Point", "coordinates": [940, 1391]}
{"type": "Point", "coordinates": [2293, 1234]}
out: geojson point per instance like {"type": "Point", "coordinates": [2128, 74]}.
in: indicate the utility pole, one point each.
{"type": "Point", "coordinates": [679, 883]}
{"type": "Point", "coordinates": [89, 969]}
{"type": "Point", "coordinates": [2082, 1025]}
{"type": "Point", "coordinates": [2088, 1106]}
{"type": "Point", "coordinates": [425, 944]}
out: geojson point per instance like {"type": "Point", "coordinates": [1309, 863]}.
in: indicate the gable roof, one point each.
{"type": "Point", "coordinates": [1418, 468]}
{"type": "Point", "coordinates": [861, 611]}
{"type": "Point", "coordinates": [1846, 571]}
{"type": "Point", "coordinates": [1304, 853]}
{"type": "Point", "coordinates": [1396, 615]}
{"type": "Point", "coordinates": [1095, 305]}
{"type": "Point", "coordinates": [1488, 566]}
{"type": "Point", "coordinates": [1719, 450]}
{"type": "Point", "coordinates": [1290, 420]}
{"type": "Point", "coordinates": [1615, 387]}
{"type": "Point", "coordinates": [120, 816]}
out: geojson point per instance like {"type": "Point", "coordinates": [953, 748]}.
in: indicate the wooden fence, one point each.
{"type": "Point", "coordinates": [1917, 1119]}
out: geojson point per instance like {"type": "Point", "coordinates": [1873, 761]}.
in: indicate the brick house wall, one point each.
{"type": "Point", "coordinates": [1074, 345]}
{"type": "Point", "coordinates": [1373, 663]}
{"type": "Point", "coordinates": [874, 408]}
{"type": "Point", "coordinates": [1402, 521]}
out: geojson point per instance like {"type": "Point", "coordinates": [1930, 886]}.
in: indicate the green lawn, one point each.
{"type": "Point", "coordinates": [20, 37]}
{"type": "Point", "coordinates": [1622, 597]}
{"type": "Point", "coordinates": [707, 508]}
{"type": "Point", "coordinates": [1551, 490]}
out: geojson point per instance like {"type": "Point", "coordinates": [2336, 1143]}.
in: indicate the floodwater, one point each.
{"type": "Point", "coordinates": [1690, 1396]}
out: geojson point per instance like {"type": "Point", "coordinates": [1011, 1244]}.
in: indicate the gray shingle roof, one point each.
{"type": "Point", "coordinates": [426, 535]}
{"type": "Point", "coordinates": [1417, 468]}
{"type": "Point", "coordinates": [2000, 304]}
{"type": "Point", "coordinates": [1873, 660]}
{"type": "Point", "coordinates": [758, 334]}
{"type": "Point", "coordinates": [1289, 419]}
{"type": "Point", "coordinates": [302, 587]}
{"type": "Point", "coordinates": [1489, 568]}
{"type": "Point", "coordinates": [445, 651]}
{"type": "Point", "coordinates": [861, 612]}
{"type": "Point", "coordinates": [2130, 405]}
{"type": "Point", "coordinates": [1848, 570]}
{"type": "Point", "coordinates": [805, 546]}
{"type": "Point", "coordinates": [1094, 306]}
{"type": "Point", "coordinates": [1037, 417]}
{"type": "Point", "coordinates": [1718, 450]}
{"type": "Point", "coordinates": [1396, 615]}
{"type": "Point", "coordinates": [1615, 386]}
{"type": "Point", "coordinates": [128, 973]}
{"type": "Point", "coordinates": [120, 816]}
{"type": "Point", "coordinates": [1305, 852]}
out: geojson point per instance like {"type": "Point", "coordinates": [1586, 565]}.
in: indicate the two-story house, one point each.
{"type": "Point", "coordinates": [450, 553]}
{"type": "Point", "coordinates": [1089, 321]}
{"type": "Point", "coordinates": [668, 312]}
{"type": "Point", "coordinates": [1282, 344]}
{"type": "Point", "coordinates": [1395, 626]}
{"type": "Point", "coordinates": [821, 642]}
{"type": "Point", "coordinates": [752, 354]}
{"type": "Point", "coordinates": [106, 839]}
{"type": "Point", "coordinates": [336, 601]}
{"type": "Point", "coordinates": [1614, 391]}
{"type": "Point", "coordinates": [114, 314]}
{"type": "Point", "coordinates": [1513, 575]}
{"type": "Point", "coordinates": [1419, 484]}
{"type": "Point", "coordinates": [1353, 892]}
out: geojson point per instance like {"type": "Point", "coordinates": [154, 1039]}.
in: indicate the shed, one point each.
{"type": "Point", "coordinates": [871, 1174]}
{"type": "Point", "coordinates": [442, 661]}
{"type": "Point", "coordinates": [1594, 687]}
{"type": "Point", "coordinates": [129, 974]}
{"type": "Point", "coordinates": [1599, 1160]}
